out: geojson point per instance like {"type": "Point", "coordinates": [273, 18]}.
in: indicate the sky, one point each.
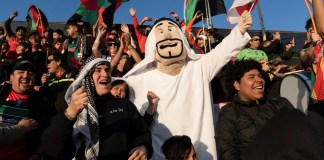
{"type": "Point", "coordinates": [283, 15]}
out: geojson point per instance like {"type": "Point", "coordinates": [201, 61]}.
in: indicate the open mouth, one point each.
{"type": "Point", "coordinates": [25, 82]}
{"type": "Point", "coordinates": [104, 82]}
{"type": "Point", "coordinates": [165, 47]}
{"type": "Point", "coordinates": [168, 45]}
{"type": "Point", "coordinates": [259, 88]}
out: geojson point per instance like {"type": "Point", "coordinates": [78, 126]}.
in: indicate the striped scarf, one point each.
{"type": "Point", "coordinates": [79, 47]}
{"type": "Point", "coordinates": [86, 127]}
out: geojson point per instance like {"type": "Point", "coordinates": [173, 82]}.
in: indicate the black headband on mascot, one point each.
{"type": "Point", "coordinates": [163, 19]}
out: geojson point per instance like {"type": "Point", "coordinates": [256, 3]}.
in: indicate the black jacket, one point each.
{"type": "Point", "coordinates": [288, 135]}
{"type": "Point", "coordinates": [54, 91]}
{"type": "Point", "coordinates": [122, 128]}
{"type": "Point", "coordinates": [239, 121]}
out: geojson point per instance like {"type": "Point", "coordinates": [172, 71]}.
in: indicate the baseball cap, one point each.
{"type": "Point", "coordinates": [23, 64]}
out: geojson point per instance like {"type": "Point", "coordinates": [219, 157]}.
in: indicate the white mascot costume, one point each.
{"type": "Point", "coordinates": [181, 80]}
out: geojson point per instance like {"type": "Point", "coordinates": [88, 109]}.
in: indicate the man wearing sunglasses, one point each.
{"type": "Point", "coordinates": [251, 51]}
{"type": "Point", "coordinates": [55, 83]}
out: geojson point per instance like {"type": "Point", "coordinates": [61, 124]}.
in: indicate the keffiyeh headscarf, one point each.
{"type": "Point", "coordinates": [86, 127]}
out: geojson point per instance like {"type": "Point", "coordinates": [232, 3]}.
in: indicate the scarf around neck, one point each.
{"type": "Point", "coordinates": [86, 127]}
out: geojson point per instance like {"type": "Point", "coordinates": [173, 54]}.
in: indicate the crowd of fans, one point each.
{"type": "Point", "coordinates": [36, 73]}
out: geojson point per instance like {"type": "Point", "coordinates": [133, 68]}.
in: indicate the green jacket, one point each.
{"type": "Point", "coordinates": [249, 53]}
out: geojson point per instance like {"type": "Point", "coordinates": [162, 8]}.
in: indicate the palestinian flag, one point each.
{"type": "Point", "coordinates": [36, 20]}
{"type": "Point", "coordinates": [238, 7]}
{"type": "Point", "coordinates": [193, 6]}
{"type": "Point", "coordinates": [96, 11]}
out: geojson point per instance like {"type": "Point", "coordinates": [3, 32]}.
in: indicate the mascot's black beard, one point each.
{"type": "Point", "coordinates": [170, 56]}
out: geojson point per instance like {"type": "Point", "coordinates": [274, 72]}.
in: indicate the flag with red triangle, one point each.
{"type": "Point", "coordinates": [193, 6]}
{"type": "Point", "coordinates": [96, 11]}
{"type": "Point", "coordinates": [36, 20]}
{"type": "Point", "coordinates": [238, 7]}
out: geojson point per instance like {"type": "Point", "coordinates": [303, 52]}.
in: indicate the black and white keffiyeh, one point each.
{"type": "Point", "coordinates": [86, 127]}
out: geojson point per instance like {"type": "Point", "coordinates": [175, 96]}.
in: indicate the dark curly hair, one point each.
{"type": "Point", "coordinates": [308, 24]}
{"type": "Point", "coordinates": [177, 147]}
{"type": "Point", "coordinates": [236, 70]}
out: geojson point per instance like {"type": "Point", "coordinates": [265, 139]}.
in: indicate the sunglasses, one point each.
{"type": "Point", "coordinates": [255, 39]}
{"type": "Point", "coordinates": [49, 61]}
{"type": "Point", "coordinates": [111, 44]}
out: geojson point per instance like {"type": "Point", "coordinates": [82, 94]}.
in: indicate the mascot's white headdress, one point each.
{"type": "Point", "coordinates": [150, 47]}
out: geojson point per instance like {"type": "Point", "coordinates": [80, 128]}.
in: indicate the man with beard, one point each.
{"type": "Point", "coordinates": [14, 39]}
{"type": "Point", "coordinates": [181, 80]}
{"type": "Point", "coordinates": [18, 101]}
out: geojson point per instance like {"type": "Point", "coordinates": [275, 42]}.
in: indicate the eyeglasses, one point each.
{"type": "Point", "coordinates": [49, 61]}
{"type": "Point", "coordinates": [255, 39]}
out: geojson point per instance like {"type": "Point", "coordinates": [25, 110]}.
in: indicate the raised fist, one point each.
{"type": "Point", "coordinates": [245, 22]}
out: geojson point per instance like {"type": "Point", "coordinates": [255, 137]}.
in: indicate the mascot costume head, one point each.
{"type": "Point", "coordinates": [166, 48]}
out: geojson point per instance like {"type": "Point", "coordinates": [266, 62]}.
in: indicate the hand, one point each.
{"type": "Point", "coordinates": [138, 153]}
{"type": "Point", "coordinates": [292, 68]}
{"type": "Point", "coordinates": [101, 31]}
{"type": "Point", "coordinates": [147, 18]}
{"type": "Point", "coordinates": [153, 100]}
{"type": "Point", "coordinates": [28, 124]}
{"type": "Point", "coordinates": [79, 100]}
{"type": "Point", "coordinates": [197, 14]}
{"type": "Point", "coordinates": [44, 78]}
{"type": "Point", "coordinates": [279, 67]}
{"type": "Point", "coordinates": [103, 25]}
{"type": "Point", "coordinates": [124, 28]}
{"type": "Point", "coordinates": [292, 42]}
{"type": "Point", "coordinates": [265, 65]}
{"type": "Point", "coordinates": [276, 35]}
{"type": "Point", "coordinates": [174, 15]}
{"type": "Point", "coordinates": [315, 37]}
{"type": "Point", "coordinates": [266, 43]}
{"type": "Point", "coordinates": [245, 22]}
{"type": "Point", "coordinates": [13, 14]}
{"type": "Point", "coordinates": [127, 39]}
{"type": "Point", "coordinates": [132, 11]}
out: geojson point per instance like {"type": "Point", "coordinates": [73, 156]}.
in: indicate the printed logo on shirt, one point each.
{"type": "Point", "coordinates": [116, 110]}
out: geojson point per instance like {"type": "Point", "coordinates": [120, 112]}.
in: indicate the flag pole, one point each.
{"type": "Point", "coordinates": [261, 21]}
{"type": "Point", "coordinates": [209, 20]}
{"type": "Point", "coordinates": [209, 14]}
{"type": "Point", "coordinates": [252, 7]}
{"type": "Point", "coordinates": [203, 26]}
{"type": "Point", "coordinates": [311, 16]}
